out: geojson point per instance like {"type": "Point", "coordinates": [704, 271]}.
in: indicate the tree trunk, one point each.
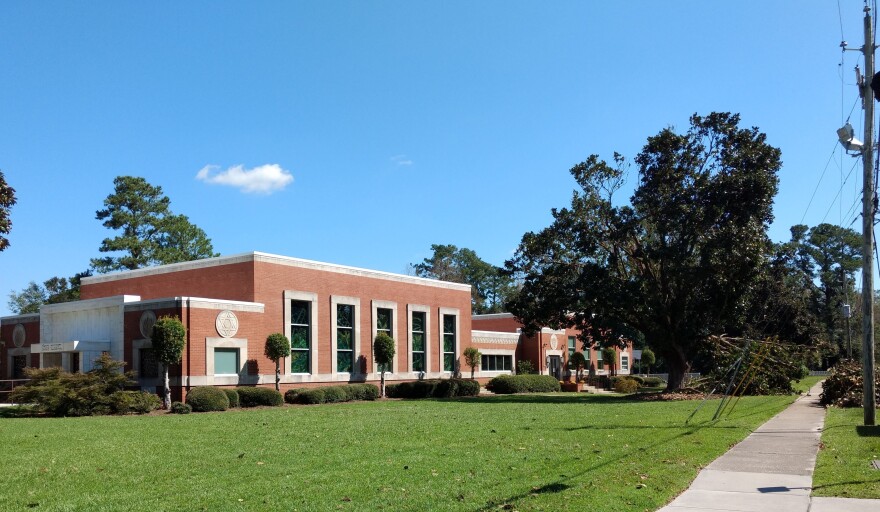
{"type": "Point", "coordinates": [678, 368]}
{"type": "Point", "coordinates": [472, 372]}
{"type": "Point", "coordinates": [277, 376]}
{"type": "Point", "coordinates": [166, 401]}
{"type": "Point", "coordinates": [382, 383]}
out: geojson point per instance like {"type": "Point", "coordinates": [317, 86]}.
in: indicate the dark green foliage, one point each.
{"type": "Point", "coordinates": [169, 339]}
{"type": "Point", "coordinates": [844, 387]}
{"type": "Point", "coordinates": [609, 357]}
{"type": "Point", "coordinates": [58, 393]}
{"type": "Point", "coordinates": [180, 408]}
{"type": "Point", "coordinates": [434, 388]}
{"type": "Point", "coordinates": [311, 396]}
{"type": "Point", "coordinates": [472, 358]}
{"type": "Point", "coordinates": [648, 359]}
{"type": "Point", "coordinates": [346, 393]}
{"type": "Point", "coordinates": [335, 394]}
{"type": "Point", "coordinates": [207, 399]}
{"type": "Point", "coordinates": [134, 402]}
{"type": "Point", "coordinates": [232, 395]}
{"type": "Point", "coordinates": [150, 233]}
{"type": "Point", "coordinates": [7, 200]}
{"type": "Point", "coordinates": [625, 385]}
{"type": "Point", "coordinates": [290, 394]}
{"type": "Point", "coordinates": [254, 397]}
{"type": "Point", "coordinates": [637, 378]}
{"type": "Point", "coordinates": [653, 382]}
{"type": "Point", "coordinates": [490, 287]}
{"type": "Point", "coordinates": [675, 264]}
{"type": "Point", "coordinates": [525, 367]}
{"type": "Point", "coordinates": [363, 391]}
{"type": "Point", "coordinates": [277, 347]}
{"type": "Point", "coordinates": [509, 384]}
{"type": "Point", "coordinates": [383, 351]}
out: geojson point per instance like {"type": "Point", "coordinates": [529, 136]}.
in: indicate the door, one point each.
{"type": "Point", "coordinates": [555, 366]}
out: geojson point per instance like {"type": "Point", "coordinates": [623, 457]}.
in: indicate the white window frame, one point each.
{"type": "Point", "coordinates": [497, 352]}
{"type": "Point", "coordinates": [312, 298]}
{"type": "Point", "coordinates": [624, 356]}
{"type": "Point", "coordinates": [210, 344]}
{"type": "Point", "coordinates": [457, 313]}
{"type": "Point", "coordinates": [375, 306]}
{"type": "Point", "coordinates": [418, 308]}
{"type": "Point", "coordinates": [355, 302]}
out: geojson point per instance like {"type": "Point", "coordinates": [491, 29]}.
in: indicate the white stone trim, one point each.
{"type": "Point", "coordinates": [492, 316]}
{"type": "Point", "coordinates": [355, 343]}
{"type": "Point", "coordinates": [457, 363]}
{"type": "Point", "coordinates": [495, 337]}
{"type": "Point", "coordinates": [550, 352]}
{"type": "Point", "coordinates": [20, 319]}
{"type": "Point", "coordinates": [418, 308]}
{"type": "Point", "coordinates": [497, 352]}
{"type": "Point", "coordinates": [211, 343]}
{"type": "Point", "coordinates": [88, 304]}
{"type": "Point", "coordinates": [272, 259]}
{"type": "Point", "coordinates": [311, 298]}
{"type": "Point", "coordinates": [383, 304]}
{"type": "Point", "coordinates": [547, 330]}
{"type": "Point", "coordinates": [196, 303]}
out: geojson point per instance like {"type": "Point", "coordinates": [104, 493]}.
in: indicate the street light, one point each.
{"type": "Point", "coordinates": [846, 136]}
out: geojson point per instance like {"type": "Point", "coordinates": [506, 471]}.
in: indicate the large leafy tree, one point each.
{"type": "Point", "coordinates": [677, 263]}
{"type": "Point", "coordinates": [490, 287]}
{"type": "Point", "coordinates": [150, 233]}
{"type": "Point", "coordinates": [7, 200]}
{"type": "Point", "coordinates": [53, 291]}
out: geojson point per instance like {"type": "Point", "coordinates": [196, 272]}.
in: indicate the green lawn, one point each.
{"type": "Point", "coordinates": [554, 452]}
{"type": "Point", "coordinates": [844, 464]}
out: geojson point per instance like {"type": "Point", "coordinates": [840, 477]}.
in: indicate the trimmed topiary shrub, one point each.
{"type": "Point", "coordinates": [434, 388]}
{"type": "Point", "coordinates": [180, 408]}
{"type": "Point", "coordinates": [207, 398]}
{"type": "Point", "coordinates": [290, 395]}
{"type": "Point", "coordinates": [254, 397]}
{"type": "Point", "coordinates": [310, 396]}
{"type": "Point", "coordinates": [626, 385]}
{"type": "Point", "coordinates": [232, 395]}
{"type": "Point", "coordinates": [332, 394]}
{"type": "Point", "coordinates": [134, 402]}
{"type": "Point", "coordinates": [362, 391]}
{"type": "Point", "coordinates": [335, 394]}
{"type": "Point", "coordinates": [510, 384]}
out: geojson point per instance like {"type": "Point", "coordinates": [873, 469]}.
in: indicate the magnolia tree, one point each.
{"type": "Point", "coordinates": [383, 351]}
{"type": "Point", "coordinates": [169, 340]}
{"type": "Point", "coordinates": [277, 347]}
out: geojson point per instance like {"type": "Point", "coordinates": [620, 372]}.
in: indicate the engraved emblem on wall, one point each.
{"type": "Point", "coordinates": [148, 320]}
{"type": "Point", "coordinates": [19, 336]}
{"type": "Point", "coordinates": [554, 342]}
{"type": "Point", "coordinates": [227, 323]}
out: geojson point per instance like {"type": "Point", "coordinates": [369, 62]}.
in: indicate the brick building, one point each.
{"type": "Point", "coordinates": [230, 304]}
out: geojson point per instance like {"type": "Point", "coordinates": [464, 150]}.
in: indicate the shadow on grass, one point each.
{"type": "Point", "coordinates": [868, 430]}
{"type": "Point", "coordinates": [851, 482]}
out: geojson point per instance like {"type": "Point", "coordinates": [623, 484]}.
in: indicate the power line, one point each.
{"type": "Point", "coordinates": [838, 190]}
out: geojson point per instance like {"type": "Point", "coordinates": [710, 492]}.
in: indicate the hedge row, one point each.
{"type": "Point", "coordinates": [209, 398]}
{"type": "Point", "coordinates": [254, 397]}
{"type": "Point", "coordinates": [433, 388]}
{"type": "Point", "coordinates": [332, 394]}
{"type": "Point", "coordinates": [509, 384]}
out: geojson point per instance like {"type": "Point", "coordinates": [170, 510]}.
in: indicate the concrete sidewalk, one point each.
{"type": "Point", "coordinates": [771, 470]}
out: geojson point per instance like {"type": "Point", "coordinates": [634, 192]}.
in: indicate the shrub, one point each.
{"type": "Point", "coordinates": [843, 387]}
{"type": "Point", "coordinates": [626, 385]}
{"type": "Point", "coordinates": [180, 408]}
{"type": "Point", "coordinates": [311, 396]}
{"type": "Point", "coordinates": [509, 384]}
{"type": "Point", "coordinates": [134, 402]}
{"type": "Point", "coordinates": [207, 398]}
{"type": "Point", "coordinates": [653, 382]}
{"type": "Point", "coordinates": [254, 397]}
{"type": "Point", "coordinates": [362, 391]}
{"type": "Point", "coordinates": [335, 394]}
{"type": "Point", "coordinates": [637, 378]}
{"type": "Point", "coordinates": [525, 367]}
{"type": "Point", "coordinates": [434, 388]}
{"type": "Point", "coordinates": [58, 393]}
{"type": "Point", "coordinates": [290, 395]}
{"type": "Point", "coordinates": [232, 395]}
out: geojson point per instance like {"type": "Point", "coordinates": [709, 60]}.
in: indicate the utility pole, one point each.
{"type": "Point", "coordinates": [868, 228]}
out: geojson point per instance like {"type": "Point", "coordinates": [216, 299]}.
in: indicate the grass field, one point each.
{"type": "Point", "coordinates": [844, 465]}
{"type": "Point", "coordinates": [553, 452]}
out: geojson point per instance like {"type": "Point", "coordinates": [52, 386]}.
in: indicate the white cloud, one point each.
{"type": "Point", "coordinates": [401, 160]}
{"type": "Point", "coordinates": [263, 179]}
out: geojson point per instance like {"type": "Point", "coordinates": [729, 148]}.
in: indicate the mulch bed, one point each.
{"type": "Point", "coordinates": [681, 394]}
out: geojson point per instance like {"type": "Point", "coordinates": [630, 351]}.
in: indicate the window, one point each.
{"type": "Point", "coordinates": [300, 334]}
{"type": "Point", "coordinates": [599, 363]}
{"type": "Point", "coordinates": [571, 348]}
{"type": "Point", "coordinates": [344, 338]}
{"type": "Point", "coordinates": [418, 341]}
{"type": "Point", "coordinates": [624, 363]}
{"type": "Point", "coordinates": [496, 363]}
{"type": "Point", "coordinates": [148, 364]}
{"type": "Point", "coordinates": [226, 361]}
{"type": "Point", "coordinates": [449, 343]}
{"type": "Point", "coordinates": [384, 321]}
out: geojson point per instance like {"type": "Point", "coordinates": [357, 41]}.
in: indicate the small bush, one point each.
{"type": "Point", "coordinates": [626, 385]}
{"type": "Point", "coordinates": [335, 394]}
{"type": "Point", "coordinates": [363, 391]}
{"type": "Point", "coordinates": [180, 408]}
{"type": "Point", "coordinates": [434, 388]}
{"type": "Point", "coordinates": [232, 395]}
{"type": "Point", "coordinates": [290, 395]}
{"type": "Point", "coordinates": [525, 367]}
{"type": "Point", "coordinates": [509, 384]}
{"type": "Point", "coordinates": [134, 402]}
{"type": "Point", "coordinates": [637, 378]}
{"type": "Point", "coordinates": [653, 382]}
{"type": "Point", "coordinates": [207, 398]}
{"type": "Point", "coordinates": [254, 397]}
{"type": "Point", "coordinates": [311, 396]}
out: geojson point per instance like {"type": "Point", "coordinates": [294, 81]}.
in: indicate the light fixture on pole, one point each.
{"type": "Point", "coordinates": [846, 136]}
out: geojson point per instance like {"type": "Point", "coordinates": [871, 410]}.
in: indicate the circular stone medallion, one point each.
{"type": "Point", "coordinates": [554, 342]}
{"type": "Point", "coordinates": [148, 320]}
{"type": "Point", "coordinates": [227, 323]}
{"type": "Point", "coordinates": [19, 336]}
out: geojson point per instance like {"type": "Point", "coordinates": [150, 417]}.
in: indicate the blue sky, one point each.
{"type": "Point", "coordinates": [387, 126]}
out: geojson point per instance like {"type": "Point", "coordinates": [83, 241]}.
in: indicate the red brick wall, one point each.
{"type": "Point", "coordinates": [496, 324]}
